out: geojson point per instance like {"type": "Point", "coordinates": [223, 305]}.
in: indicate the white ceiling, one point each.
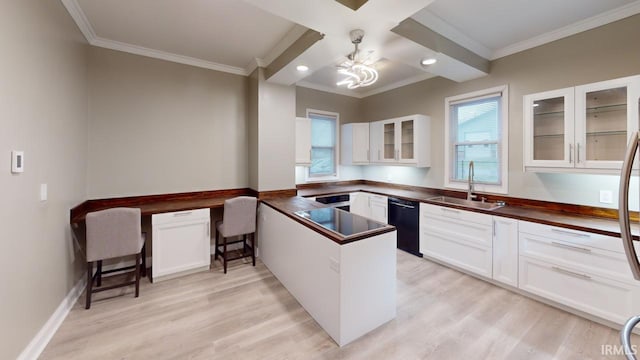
{"type": "Point", "coordinates": [237, 35]}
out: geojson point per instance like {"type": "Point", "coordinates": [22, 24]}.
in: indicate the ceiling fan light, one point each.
{"type": "Point", "coordinates": [360, 72]}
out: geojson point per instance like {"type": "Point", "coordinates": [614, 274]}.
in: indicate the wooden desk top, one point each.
{"type": "Point", "coordinates": [156, 204]}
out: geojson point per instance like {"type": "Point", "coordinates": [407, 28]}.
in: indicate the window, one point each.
{"type": "Point", "coordinates": [476, 129]}
{"type": "Point", "coordinates": [324, 150]}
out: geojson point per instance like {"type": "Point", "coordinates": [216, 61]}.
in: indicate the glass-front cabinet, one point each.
{"type": "Point", "coordinates": [549, 122]}
{"type": "Point", "coordinates": [585, 128]}
{"type": "Point", "coordinates": [402, 141]}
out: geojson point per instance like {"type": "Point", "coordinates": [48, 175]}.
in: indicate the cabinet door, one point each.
{"type": "Point", "coordinates": [606, 115]}
{"type": "Point", "coordinates": [181, 245]}
{"type": "Point", "coordinates": [549, 129]}
{"type": "Point", "coordinates": [375, 141]}
{"type": "Point", "coordinates": [406, 141]}
{"type": "Point", "coordinates": [505, 250]}
{"type": "Point", "coordinates": [389, 151]}
{"type": "Point", "coordinates": [379, 205]}
{"type": "Point", "coordinates": [303, 141]}
{"type": "Point", "coordinates": [360, 144]}
{"type": "Point", "coordinates": [359, 204]}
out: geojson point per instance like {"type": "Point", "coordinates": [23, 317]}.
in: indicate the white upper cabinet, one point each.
{"type": "Point", "coordinates": [354, 144]}
{"type": "Point", "coordinates": [608, 113]}
{"type": "Point", "coordinates": [303, 141]}
{"type": "Point", "coordinates": [584, 128]}
{"type": "Point", "coordinates": [403, 141]}
{"type": "Point", "coordinates": [549, 128]}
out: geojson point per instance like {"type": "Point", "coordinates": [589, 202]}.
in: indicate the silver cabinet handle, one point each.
{"type": "Point", "coordinates": [623, 213]}
{"type": "Point", "coordinates": [571, 273]}
{"type": "Point", "coordinates": [183, 213]}
{"type": "Point", "coordinates": [566, 232]}
{"type": "Point", "coordinates": [577, 153]}
{"type": "Point", "coordinates": [570, 152]}
{"type": "Point", "coordinates": [577, 248]}
{"type": "Point", "coordinates": [449, 210]}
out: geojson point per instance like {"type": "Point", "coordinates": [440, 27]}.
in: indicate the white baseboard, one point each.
{"type": "Point", "coordinates": [42, 338]}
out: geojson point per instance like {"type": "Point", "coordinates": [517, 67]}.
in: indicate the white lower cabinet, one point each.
{"type": "Point", "coordinates": [181, 243]}
{"type": "Point", "coordinates": [460, 238]}
{"type": "Point", "coordinates": [585, 271]}
{"type": "Point", "coordinates": [379, 208]}
{"type": "Point", "coordinates": [505, 250]}
{"type": "Point", "coordinates": [369, 205]}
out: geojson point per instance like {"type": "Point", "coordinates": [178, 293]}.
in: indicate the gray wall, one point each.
{"type": "Point", "coordinates": [160, 127]}
{"type": "Point", "coordinates": [348, 107]}
{"type": "Point", "coordinates": [276, 131]}
{"type": "Point", "coordinates": [603, 53]}
{"type": "Point", "coordinates": [252, 101]}
{"type": "Point", "coordinates": [43, 111]}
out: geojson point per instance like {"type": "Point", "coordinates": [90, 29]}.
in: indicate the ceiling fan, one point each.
{"type": "Point", "coordinates": [359, 71]}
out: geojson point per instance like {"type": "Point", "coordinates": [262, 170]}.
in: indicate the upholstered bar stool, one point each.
{"type": "Point", "coordinates": [113, 233]}
{"type": "Point", "coordinates": [239, 219]}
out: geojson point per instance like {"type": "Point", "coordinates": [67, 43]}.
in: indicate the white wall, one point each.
{"type": "Point", "coordinates": [43, 111]}
{"type": "Point", "coordinates": [158, 127]}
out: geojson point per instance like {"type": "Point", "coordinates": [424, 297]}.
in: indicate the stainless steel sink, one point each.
{"type": "Point", "coordinates": [466, 203]}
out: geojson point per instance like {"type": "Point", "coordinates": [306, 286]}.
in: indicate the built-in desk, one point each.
{"type": "Point", "coordinates": [159, 204]}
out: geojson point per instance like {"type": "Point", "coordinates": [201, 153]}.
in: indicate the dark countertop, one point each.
{"type": "Point", "coordinates": [289, 205]}
{"type": "Point", "coordinates": [581, 222]}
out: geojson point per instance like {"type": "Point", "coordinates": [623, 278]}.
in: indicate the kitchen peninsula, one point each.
{"type": "Point", "coordinates": [340, 267]}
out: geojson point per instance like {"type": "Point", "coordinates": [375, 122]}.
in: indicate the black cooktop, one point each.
{"type": "Point", "coordinates": [340, 221]}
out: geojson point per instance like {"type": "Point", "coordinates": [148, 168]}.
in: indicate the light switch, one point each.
{"type": "Point", "coordinates": [43, 192]}
{"type": "Point", "coordinates": [606, 196]}
{"type": "Point", "coordinates": [17, 161]}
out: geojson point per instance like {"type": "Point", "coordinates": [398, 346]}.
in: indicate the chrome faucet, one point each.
{"type": "Point", "coordinates": [470, 195]}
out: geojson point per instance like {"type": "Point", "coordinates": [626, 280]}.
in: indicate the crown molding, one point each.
{"type": "Point", "coordinates": [73, 8]}
{"type": "Point", "coordinates": [577, 27]}
{"type": "Point", "coordinates": [163, 55]}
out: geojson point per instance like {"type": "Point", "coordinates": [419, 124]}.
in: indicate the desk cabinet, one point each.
{"type": "Point", "coordinates": [181, 243]}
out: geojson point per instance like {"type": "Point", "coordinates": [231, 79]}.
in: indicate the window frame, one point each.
{"type": "Point", "coordinates": [336, 154]}
{"type": "Point", "coordinates": [503, 141]}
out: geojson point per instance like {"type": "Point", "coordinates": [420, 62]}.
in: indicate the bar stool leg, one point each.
{"type": "Point", "coordinates": [89, 283]}
{"type": "Point", "coordinates": [99, 274]}
{"type": "Point", "coordinates": [253, 248]}
{"type": "Point", "coordinates": [137, 273]}
{"type": "Point", "coordinates": [224, 253]}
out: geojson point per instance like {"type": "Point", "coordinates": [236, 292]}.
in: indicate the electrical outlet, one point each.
{"type": "Point", "coordinates": [606, 196]}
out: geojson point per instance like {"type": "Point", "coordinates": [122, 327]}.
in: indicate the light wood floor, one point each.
{"type": "Point", "coordinates": [248, 314]}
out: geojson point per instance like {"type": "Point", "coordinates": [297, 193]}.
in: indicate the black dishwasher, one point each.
{"type": "Point", "coordinates": [405, 216]}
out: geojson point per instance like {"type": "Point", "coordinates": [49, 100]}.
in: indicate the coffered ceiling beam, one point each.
{"type": "Point", "coordinates": [430, 39]}
{"type": "Point", "coordinates": [304, 42]}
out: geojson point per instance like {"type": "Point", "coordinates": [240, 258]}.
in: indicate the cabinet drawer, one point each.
{"type": "Point", "coordinates": [458, 230]}
{"type": "Point", "coordinates": [426, 210]}
{"type": "Point", "coordinates": [603, 297]}
{"type": "Point", "coordinates": [583, 257]}
{"type": "Point", "coordinates": [179, 216]}
{"type": "Point", "coordinates": [581, 238]}
{"type": "Point", "coordinates": [466, 255]}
